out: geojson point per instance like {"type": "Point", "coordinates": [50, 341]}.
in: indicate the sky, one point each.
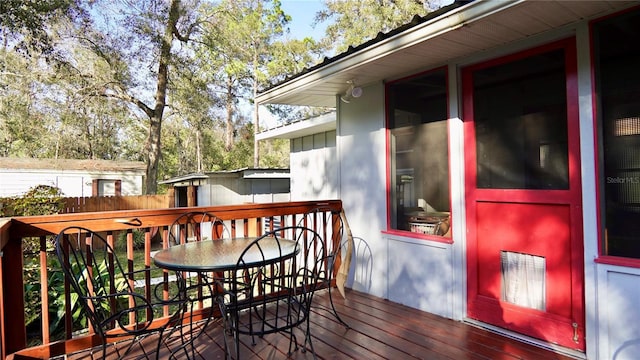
{"type": "Point", "coordinates": [302, 14]}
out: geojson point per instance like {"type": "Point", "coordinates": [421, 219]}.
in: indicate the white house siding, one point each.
{"type": "Point", "coordinates": [225, 191]}
{"type": "Point", "coordinates": [316, 171]}
{"type": "Point", "coordinates": [361, 155]}
{"type": "Point", "coordinates": [72, 183]}
{"type": "Point", "coordinates": [618, 313]}
{"type": "Point", "coordinates": [425, 281]}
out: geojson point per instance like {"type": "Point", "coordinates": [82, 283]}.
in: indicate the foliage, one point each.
{"type": "Point", "coordinates": [25, 22]}
{"type": "Point", "coordinates": [38, 200]}
{"type": "Point", "coordinates": [356, 21]}
{"type": "Point", "coordinates": [138, 241]}
{"type": "Point", "coordinates": [55, 290]}
{"type": "Point", "coordinates": [169, 82]}
{"type": "Point", "coordinates": [276, 154]}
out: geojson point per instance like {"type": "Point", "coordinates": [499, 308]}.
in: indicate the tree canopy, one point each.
{"type": "Point", "coordinates": [168, 82]}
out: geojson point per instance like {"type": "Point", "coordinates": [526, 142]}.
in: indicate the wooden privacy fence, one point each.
{"type": "Point", "coordinates": [111, 203]}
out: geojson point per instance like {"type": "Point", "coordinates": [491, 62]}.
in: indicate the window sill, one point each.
{"type": "Point", "coordinates": [413, 235]}
{"type": "Point", "coordinates": [618, 261]}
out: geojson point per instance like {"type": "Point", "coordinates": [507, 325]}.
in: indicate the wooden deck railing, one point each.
{"type": "Point", "coordinates": [243, 220]}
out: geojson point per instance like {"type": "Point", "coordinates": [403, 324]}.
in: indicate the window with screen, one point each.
{"type": "Point", "coordinates": [617, 82]}
{"type": "Point", "coordinates": [418, 155]}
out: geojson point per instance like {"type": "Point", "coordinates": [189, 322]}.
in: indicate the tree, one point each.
{"type": "Point", "coordinates": [26, 22]}
{"type": "Point", "coordinates": [240, 43]}
{"type": "Point", "coordinates": [102, 80]}
{"type": "Point", "coordinates": [147, 36]}
{"type": "Point", "coordinates": [356, 21]}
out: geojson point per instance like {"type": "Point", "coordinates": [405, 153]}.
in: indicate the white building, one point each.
{"type": "Point", "coordinates": [488, 156]}
{"type": "Point", "coordinates": [75, 178]}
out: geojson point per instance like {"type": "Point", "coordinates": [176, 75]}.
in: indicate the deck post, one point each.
{"type": "Point", "coordinates": [13, 329]}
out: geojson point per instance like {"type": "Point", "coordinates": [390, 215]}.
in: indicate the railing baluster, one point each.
{"type": "Point", "coordinates": [44, 293]}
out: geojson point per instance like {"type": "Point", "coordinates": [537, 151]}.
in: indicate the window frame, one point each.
{"type": "Point", "coordinates": [388, 158]}
{"type": "Point", "coordinates": [600, 176]}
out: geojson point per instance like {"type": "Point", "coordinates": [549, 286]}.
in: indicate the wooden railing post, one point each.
{"type": "Point", "coordinates": [15, 335]}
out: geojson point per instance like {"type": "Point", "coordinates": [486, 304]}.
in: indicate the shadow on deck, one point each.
{"type": "Point", "coordinates": [380, 329]}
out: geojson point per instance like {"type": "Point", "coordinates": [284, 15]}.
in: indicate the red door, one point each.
{"type": "Point", "coordinates": [523, 194]}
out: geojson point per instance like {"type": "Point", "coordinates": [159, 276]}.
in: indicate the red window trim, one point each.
{"type": "Point", "coordinates": [405, 233]}
{"type": "Point", "coordinates": [600, 201]}
{"type": "Point", "coordinates": [618, 261]}
{"type": "Point", "coordinates": [409, 234]}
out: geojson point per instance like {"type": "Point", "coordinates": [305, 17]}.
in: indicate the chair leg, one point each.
{"type": "Point", "coordinates": [160, 333]}
{"type": "Point", "coordinates": [104, 348]}
{"type": "Point", "coordinates": [307, 339]}
{"type": "Point", "coordinates": [335, 313]}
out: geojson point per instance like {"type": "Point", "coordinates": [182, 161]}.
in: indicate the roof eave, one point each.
{"type": "Point", "coordinates": [449, 21]}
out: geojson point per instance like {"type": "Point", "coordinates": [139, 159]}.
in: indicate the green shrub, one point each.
{"type": "Point", "coordinates": [138, 241]}
{"type": "Point", "coordinates": [39, 200]}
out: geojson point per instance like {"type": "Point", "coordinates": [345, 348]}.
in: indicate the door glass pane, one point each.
{"type": "Point", "coordinates": [617, 56]}
{"type": "Point", "coordinates": [520, 122]}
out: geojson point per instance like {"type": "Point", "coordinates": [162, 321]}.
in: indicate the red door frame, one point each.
{"type": "Point", "coordinates": [572, 196]}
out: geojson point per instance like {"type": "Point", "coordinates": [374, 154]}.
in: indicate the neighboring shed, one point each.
{"type": "Point", "coordinates": [231, 187]}
{"type": "Point", "coordinates": [74, 178]}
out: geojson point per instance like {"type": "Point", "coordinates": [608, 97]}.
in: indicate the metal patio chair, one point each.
{"type": "Point", "coordinates": [106, 291]}
{"type": "Point", "coordinates": [272, 288]}
{"type": "Point", "coordinates": [330, 225]}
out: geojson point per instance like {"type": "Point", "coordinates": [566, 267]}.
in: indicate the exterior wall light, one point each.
{"type": "Point", "coordinates": [352, 92]}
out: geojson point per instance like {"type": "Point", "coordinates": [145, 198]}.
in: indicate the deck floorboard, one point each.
{"type": "Point", "coordinates": [379, 329]}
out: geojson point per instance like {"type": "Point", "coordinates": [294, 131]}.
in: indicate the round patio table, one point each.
{"type": "Point", "coordinates": [218, 256]}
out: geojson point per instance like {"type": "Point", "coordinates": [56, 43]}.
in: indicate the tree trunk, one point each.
{"type": "Point", "coordinates": [228, 142]}
{"type": "Point", "coordinates": [153, 145]}
{"type": "Point", "coordinates": [256, 116]}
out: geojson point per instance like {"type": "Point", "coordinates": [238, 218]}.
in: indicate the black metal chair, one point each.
{"type": "Point", "coordinates": [273, 286]}
{"type": "Point", "coordinates": [197, 226]}
{"type": "Point", "coordinates": [191, 288]}
{"type": "Point", "coordinates": [106, 293]}
{"type": "Point", "coordinates": [331, 227]}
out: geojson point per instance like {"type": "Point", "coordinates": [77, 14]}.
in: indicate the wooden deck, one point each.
{"type": "Point", "coordinates": [380, 329]}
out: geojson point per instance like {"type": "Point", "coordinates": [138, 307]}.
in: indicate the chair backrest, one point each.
{"type": "Point", "coordinates": [197, 226]}
{"type": "Point", "coordinates": [92, 269]}
{"type": "Point", "coordinates": [276, 276]}
{"type": "Point", "coordinates": [330, 227]}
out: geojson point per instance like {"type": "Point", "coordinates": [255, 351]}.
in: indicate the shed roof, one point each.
{"type": "Point", "coordinates": [245, 173]}
{"type": "Point", "coordinates": [10, 163]}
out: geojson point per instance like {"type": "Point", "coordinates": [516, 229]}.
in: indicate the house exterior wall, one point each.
{"type": "Point", "coordinates": [312, 160]}
{"type": "Point", "coordinates": [361, 144]}
{"type": "Point", "coordinates": [431, 275]}
{"type": "Point", "coordinates": [71, 182]}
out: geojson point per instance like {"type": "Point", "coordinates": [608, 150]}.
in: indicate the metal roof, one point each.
{"type": "Point", "coordinates": [245, 173]}
{"type": "Point", "coordinates": [301, 128]}
{"type": "Point", "coordinates": [10, 163]}
{"type": "Point", "coordinates": [458, 30]}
